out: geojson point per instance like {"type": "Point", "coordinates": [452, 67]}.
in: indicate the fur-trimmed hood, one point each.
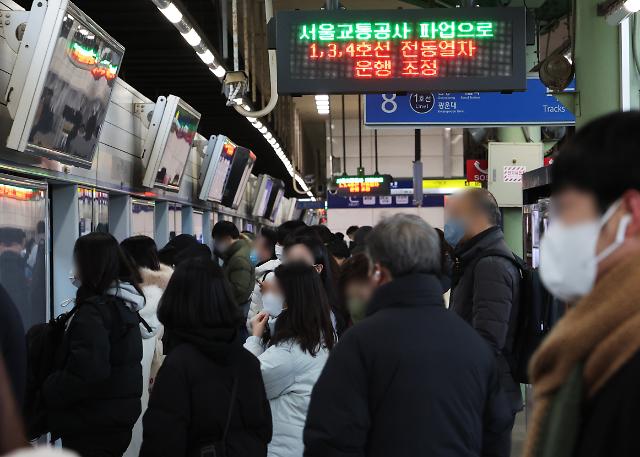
{"type": "Point", "coordinates": [153, 285]}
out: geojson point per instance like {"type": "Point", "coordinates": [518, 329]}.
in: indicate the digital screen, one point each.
{"type": "Point", "coordinates": [264, 192]}
{"type": "Point", "coordinates": [274, 200]}
{"type": "Point", "coordinates": [351, 186]}
{"type": "Point", "coordinates": [239, 171]}
{"type": "Point", "coordinates": [401, 50]}
{"type": "Point", "coordinates": [184, 127]}
{"type": "Point", "coordinates": [76, 93]}
{"type": "Point", "coordinates": [223, 167]}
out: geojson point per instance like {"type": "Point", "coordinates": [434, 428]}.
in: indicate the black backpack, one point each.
{"type": "Point", "coordinates": [43, 344]}
{"type": "Point", "coordinates": [536, 315]}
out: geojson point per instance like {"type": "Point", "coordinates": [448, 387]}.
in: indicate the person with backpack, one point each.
{"type": "Point", "coordinates": [209, 398]}
{"type": "Point", "coordinates": [486, 281]}
{"type": "Point", "coordinates": [93, 396]}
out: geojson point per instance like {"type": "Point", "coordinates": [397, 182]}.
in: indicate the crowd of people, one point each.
{"type": "Point", "coordinates": [297, 341]}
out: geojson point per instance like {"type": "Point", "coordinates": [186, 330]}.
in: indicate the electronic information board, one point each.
{"type": "Point", "coordinates": [349, 186]}
{"type": "Point", "coordinates": [444, 49]}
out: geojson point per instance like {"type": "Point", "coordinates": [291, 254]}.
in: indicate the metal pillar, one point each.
{"type": "Point", "coordinates": [120, 216]}
{"type": "Point", "coordinates": [187, 220]}
{"type": "Point", "coordinates": [65, 220]}
{"type": "Point", "coordinates": [161, 223]}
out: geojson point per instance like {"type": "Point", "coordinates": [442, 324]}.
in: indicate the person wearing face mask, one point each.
{"type": "Point", "coordinates": [237, 266]}
{"type": "Point", "coordinates": [355, 286]}
{"type": "Point", "coordinates": [301, 336]}
{"type": "Point", "coordinates": [586, 372]}
{"type": "Point", "coordinates": [264, 256]}
{"type": "Point", "coordinates": [411, 379]}
{"type": "Point", "coordinates": [485, 288]}
{"type": "Point", "coordinates": [285, 230]}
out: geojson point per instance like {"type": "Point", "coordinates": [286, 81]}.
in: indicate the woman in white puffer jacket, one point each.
{"type": "Point", "coordinates": [264, 257]}
{"type": "Point", "coordinates": [155, 277]}
{"type": "Point", "coordinates": [296, 317]}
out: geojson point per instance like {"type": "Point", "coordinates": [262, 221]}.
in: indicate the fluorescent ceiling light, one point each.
{"type": "Point", "coordinates": [237, 100]}
{"type": "Point", "coordinates": [172, 13]}
{"type": "Point", "coordinates": [322, 97]}
{"type": "Point", "coordinates": [323, 111]}
{"type": "Point", "coordinates": [321, 103]}
{"type": "Point", "coordinates": [83, 32]}
{"type": "Point", "coordinates": [219, 71]}
{"type": "Point", "coordinates": [272, 140]}
{"type": "Point", "coordinates": [268, 135]}
{"type": "Point", "coordinates": [192, 37]}
{"type": "Point", "coordinates": [207, 57]}
{"type": "Point", "coordinates": [263, 130]}
{"type": "Point", "coordinates": [257, 125]}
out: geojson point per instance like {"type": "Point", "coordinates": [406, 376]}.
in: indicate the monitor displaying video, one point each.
{"type": "Point", "coordinates": [265, 186]}
{"type": "Point", "coordinates": [239, 173]}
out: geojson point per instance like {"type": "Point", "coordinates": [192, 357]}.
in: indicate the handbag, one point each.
{"type": "Point", "coordinates": [219, 448]}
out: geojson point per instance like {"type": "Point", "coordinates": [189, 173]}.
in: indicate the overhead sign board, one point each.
{"type": "Point", "coordinates": [438, 49]}
{"type": "Point", "coordinates": [535, 106]}
{"type": "Point", "coordinates": [364, 185]}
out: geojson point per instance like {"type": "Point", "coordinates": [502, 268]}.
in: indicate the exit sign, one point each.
{"type": "Point", "coordinates": [443, 49]}
{"type": "Point", "coordinates": [352, 186]}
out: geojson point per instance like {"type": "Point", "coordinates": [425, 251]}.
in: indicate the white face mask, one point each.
{"type": "Point", "coordinates": [272, 303]}
{"type": "Point", "coordinates": [279, 252]}
{"type": "Point", "coordinates": [568, 260]}
{"type": "Point", "coordinates": [75, 282]}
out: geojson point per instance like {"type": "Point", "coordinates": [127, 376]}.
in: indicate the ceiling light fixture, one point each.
{"type": "Point", "coordinates": [172, 13]}
{"type": "Point", "coordinates": [192, 37]}
{"type": "Point", "coordinates": [207, 57]}
{"type": "Point", "coordinates": [219, 71]}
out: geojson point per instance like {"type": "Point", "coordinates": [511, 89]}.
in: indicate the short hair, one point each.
{"type": "Point", "coordinates": [172, 250]}
{"type": "Point", "coordinates": [603, 159]}
{"type": "Point", "coordinates": [405, 244]}
{"type": "Point", "coordinates": [40, 227]}
{"type": "Point", "coordinates": [486, 203]}
{"type": "Point", "coordinates": [352, 229]}
{"type": "Point", "coordinates": [307, 318]}
{"type": "Point", "coordinates": [225, 228]}
{"type": "Point", "coordinates": [360, 239]}
{"type": "Point", "coordinates": [143, 251]}
{"type": "Point", "coordinates": [338, 248]}
{"type": "Point", "coordinates": [287, 228]}
{"type": "Point", "coordinates": [198, 296]}
{"type": "Point", "coordinates": [250, 235]}
{"type": "Point", "coordinates": [12, 235]}
{"type": "Point", "coordinates": [323, 232]}
{"type": "Point", "coordinates": [355, 268]}
{"type": "Point", "coordinates": [271, 238]}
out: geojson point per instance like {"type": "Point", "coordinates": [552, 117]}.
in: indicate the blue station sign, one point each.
{"type": "Point", "coordinates": [535, 106]}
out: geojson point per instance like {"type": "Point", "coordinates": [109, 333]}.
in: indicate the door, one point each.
{"type": "Point", "coordinates": [24, 247]}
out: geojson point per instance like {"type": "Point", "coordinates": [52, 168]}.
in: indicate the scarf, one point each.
{"type": "Point", "coordinates": [601, 331]}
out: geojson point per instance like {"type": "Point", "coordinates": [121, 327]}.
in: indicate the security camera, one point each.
{"type": "Point", "coordinates": [332, 187]}
{"type": "Point", "coordinates": [235, 87]}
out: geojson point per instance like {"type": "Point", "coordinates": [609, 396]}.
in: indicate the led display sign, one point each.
{"type": "Point", "coordinates": [350, 186]}
{"type": "Point", "coordinates": [444, 49]}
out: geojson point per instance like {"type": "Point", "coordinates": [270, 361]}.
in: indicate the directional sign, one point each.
{"type": "Point", "coordinates": [535, 106]}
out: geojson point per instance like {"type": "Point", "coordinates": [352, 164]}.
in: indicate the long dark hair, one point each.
{"type": "Point", "coordinates": [329, 274]}
{"type": "Point", "coordinates": [143, 251]}
{"type": "Point", "coordinates": [100, 264]}
{"type": "Point", "coordinates": [198, 296]}
{"type": "Point", "coordinates": [307, 318]}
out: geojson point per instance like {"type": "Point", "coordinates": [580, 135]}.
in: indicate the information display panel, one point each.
{"type": "Point", "coordinates": [222, 168]}
{"type": "Point", "coordinates": [264, 192]}
{"type": "Point", "coordinates": [241, 166]}
{"type": "Point", "coordinates": [445, 49]}
{"type": "Point", "coordinates": [352, 186]}
{"type": "Point", "coordinates": [275, 199]}
{"type": "Point", "coordinates": [70, 102]}
{"type": "Point", "coordinates": [172, 145]}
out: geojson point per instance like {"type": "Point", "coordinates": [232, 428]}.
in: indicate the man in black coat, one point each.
{"type": "Point", "coordinates": [13, 345]}
{"type": "Point", "coordinates": [486, 288]}
{"type": "Point", "coordinates": [411, 379]}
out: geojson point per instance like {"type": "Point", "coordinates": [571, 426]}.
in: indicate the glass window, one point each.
{"type": "Point", "coordinates": [24, 244]}
{"type": "Point", "coordinates": [142, 222]}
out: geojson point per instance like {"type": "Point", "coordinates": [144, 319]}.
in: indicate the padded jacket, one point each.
{"type": "Point", "coordinates": [190, 401]}
{"type": "Point", "coordinates": [239, 271]}
{"type": "Point", "coordinates": [93, 400]}
{"type": "Point", "coordinates": [411, 379]}
{"type": "Point", "coordinates": [486, 294]}
{"type": "Point", "coordinates": [289, 375]}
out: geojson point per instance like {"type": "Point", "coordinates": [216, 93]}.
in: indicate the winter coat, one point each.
{"type": "Point", "coordinates": [93, 399]}
{"type": "Point", "coordinates": [586, 373]}
{"type": "Point", "coordinates": [289, 375]}
{"type": "Point", "coordinates": [263, 272]}
{"type": "Point", "coordinates": [153, 285]}
{"type": "Point", "coordinates": [13, 345]}
{"type": "Point", "coordinates": [411, 379]}
{"type": "Point", "coordinates": [487, 296]}
{"type": "Point", "coordinates": [189, 403]}
{"type": "Point", "coordinates": [239, 270]}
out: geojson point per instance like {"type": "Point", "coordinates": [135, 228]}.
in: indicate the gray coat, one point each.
{"type": "Point", "coordinates": [487, 296]}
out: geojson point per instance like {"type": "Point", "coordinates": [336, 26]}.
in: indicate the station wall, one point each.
{"type": "Point", "coordinates": [396, 147]}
